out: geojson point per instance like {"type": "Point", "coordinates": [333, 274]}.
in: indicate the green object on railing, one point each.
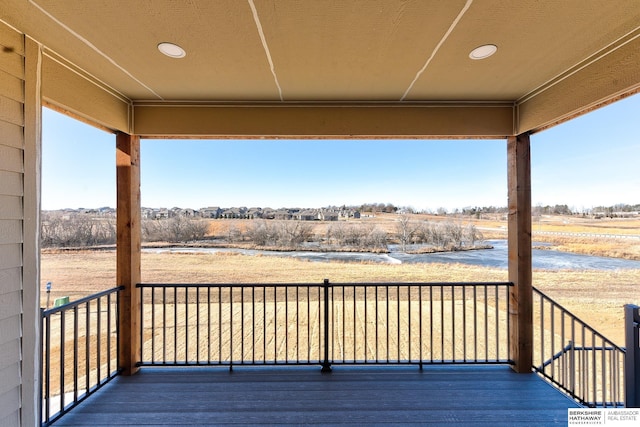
{"type": "Point", "coordinates": [60, 301]}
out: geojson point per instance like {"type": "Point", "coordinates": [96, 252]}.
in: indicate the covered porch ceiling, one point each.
{"type": "Point", "coordinates": [331, 68]}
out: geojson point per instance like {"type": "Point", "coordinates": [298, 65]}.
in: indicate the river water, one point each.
{"type": "Point", "coordinates": [496, 257]}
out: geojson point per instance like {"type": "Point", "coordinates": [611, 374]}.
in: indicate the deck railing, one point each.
{"type": "Point", "coordinates": [321, 324]}
{"type": "Point", "coordinates": [575, 357]}
{"type": "Point", "coordinates": [79, 351]}
{"type": "Point", "coordinates": [632, 356]}
{"type": "Point", "coordinates": [324, 323]}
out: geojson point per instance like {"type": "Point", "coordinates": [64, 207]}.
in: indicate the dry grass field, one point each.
{"type": "Point", "coordinates": [595, 296]}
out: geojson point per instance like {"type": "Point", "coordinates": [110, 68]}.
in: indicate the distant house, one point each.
{"type": "Point", "coordinates": [254, 213]}
{"type": "Point", "coordinates": [268, 213]}
{"type": "Point", "coordinates": [328, 216]}
{"type": "Point", "coordinates": [189, 213]}
{"type": "Point", "coordinates": [282, 214]}
{"type": "Point", "coordinates": [232, 213]}
{"type": "Point", "coordinates": [349, 213]}
{"type": "Point", "coordinates": [307, 215]}
{"type": "Point", "coordinates": [210, 212]}
{"type": "Point", "coordinates": [630, 214]}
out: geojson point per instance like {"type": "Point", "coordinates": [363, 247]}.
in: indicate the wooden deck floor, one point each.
{"type": "Point", "coordinates": [462, 395]}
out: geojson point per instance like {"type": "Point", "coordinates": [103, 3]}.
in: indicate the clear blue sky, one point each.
{"type": "Point", "coordinates": [590, 161]}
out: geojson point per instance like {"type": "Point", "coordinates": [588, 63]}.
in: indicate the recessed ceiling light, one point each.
{"type": "Point", "coordinates": [172, 50]}
{"type": "Point", "coordinates": [484, 51]}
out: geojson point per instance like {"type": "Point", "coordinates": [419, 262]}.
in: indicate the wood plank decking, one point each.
{"type": "Point", "coordinates": [462, 395]}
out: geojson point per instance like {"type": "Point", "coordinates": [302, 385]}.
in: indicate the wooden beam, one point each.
{"type": "Point", "coordinates": [77, 94]}
{"type": "Point", "coordinates": [519, 239]}
{"type": "Point", "coordinates": [592, 84]}
{"type": "Point", "coordinates": [291, 120]}
{"type": "Point", "coordinates": [128, 248]}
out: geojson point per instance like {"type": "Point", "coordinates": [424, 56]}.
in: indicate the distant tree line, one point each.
{"type": "Point", "coordinates": [377, 207]}
{"type": "Point", "coordinates": [559, 209]}
{"type": "Point", "coordinates": [76, 229]}
{"type": "Point", "coordinates": [446, 235]}
{"type": "Point", "coordinates": [278, 233]}
{"type": "Point", "coordinates": [613, 211]}
{"type": "Point", "coordinates": [63, 229]}
{"type": "Point", "coordinates": [177, 229]}
{"type": "Point", "coordinates": [479, 211]}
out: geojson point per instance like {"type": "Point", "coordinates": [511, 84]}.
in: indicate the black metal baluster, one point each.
{"type": "Point", "coordinates": [220, 325]}
{"type": "Point", "coordinates": [464, 323]}
{"type": "Point", "coordinates": [153, 323]}
{"type": "Point", "coordinates": [431, 323]}
{"type": "Point", "coordinates": [62, 357]}
{"type": "Point", "coordinates": [486, 323]}
{"type": "Point", "coordinates": [308, 324]}
{"type": "Point", "coordinates": [47, 375]}
{"type": "Point", "coordinates": [409, 358]}
{"type": "Point", "coordinates": [242, 324]}
{"type": "Point", "coordinates": [164, 325]}
{"type": "Point", "coordinates": [497, 294]}
{"type": "Point", "coordinates": [344, 322]}
{"type": "Point", "coordinates": [175, 324]}
{"type": "Point", "coordinates": [275, 324]}
{"type": "Point", "coordinates": [442, 323]}
{"type": "Point", "coordinates": [376, 323]}
{"type": "Point", "coordinates": [253, 324]}
{"type": "Point", "coordinates": [326, 366]}
{"type": "Point", "coordinates": [87, 361]}
{"type": "Point", "coordinates": [508, 300]}
{"type": "Point", "coordinates": [231, 328]}
{"type": "Point", "coordinates": [264, 324]}
{"type": "Point", "coordinates": [186, 324]}
{"type": "Point", "coordinates": [475, 323]}
{"type": "Point", "coordinates": [553, 344]}
{"type": "Point", "coordinates": [99, 341]}
{"type": "Point", "coordinates": [541, 332]}
{"type": "Point", "coordinates": [420, 324]}
{"type": "Point", "coordinates": [286, 324]}
{"type": "Point", "coordinates": [75, 353]}
{"type": "Point", "coordinates": [593, 370]}
{"type": "Point", "coordinates": [198, 325]}
{"type": "Point", "coordinates": [209, 324]}
{"type": "Point", "coordinates": [386, 287]}
{"type": "Point", "coordinates": [398, 320]}
{"type": "Point", "coordinates": [366, 321]}
{"type": "Point", "coordinates": [453, 323]}
{"type": "Point", "coordinates": [297, 324]}
{"type": "Point", "coordinates": [355, 332]}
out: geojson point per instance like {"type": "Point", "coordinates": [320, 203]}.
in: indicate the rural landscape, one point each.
{"type": "Point", "coordinates": [78, 258]}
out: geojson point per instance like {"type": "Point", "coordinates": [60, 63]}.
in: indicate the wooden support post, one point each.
{"type": "Point", "coordinates": [519, 240]}
{"type": "Point", "coordinates": [128, 249]}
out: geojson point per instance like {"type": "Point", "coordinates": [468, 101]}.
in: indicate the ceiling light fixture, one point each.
{"type": "Point", "coordinates": [172, 50]}
{"type": "Point", "coordinates": [484, 51]}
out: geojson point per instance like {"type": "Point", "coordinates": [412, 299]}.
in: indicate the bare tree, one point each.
{"type": "Point", "coordinates": [455, 232]}
{"type": "Point", "coordinates": [405, 230]}
{"type": "Point", "coordinates": [76, 229]}
{"type": "Point", "coordinates": [472, 235]}
{"type": "Point", "coordinates": [176, 229]}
